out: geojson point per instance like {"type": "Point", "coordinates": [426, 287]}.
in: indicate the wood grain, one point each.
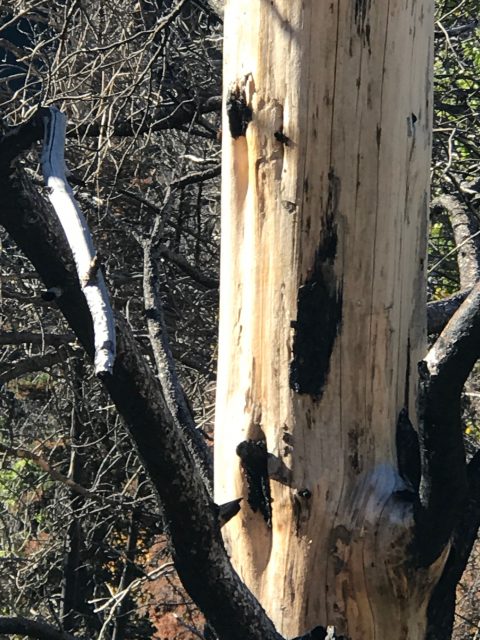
{"type": "Point", "coordinates": [332, 211]}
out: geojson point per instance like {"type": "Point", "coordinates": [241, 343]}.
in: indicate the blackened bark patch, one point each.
{"type": "Point", "coordinates": [361, 11]}
{"type": "Point", "coordinates": [320, 633]}
{"type": "Point", "coordinates": [238, 112]}
{"type": "Point", "coordinates": [254, 460]}
{"type": "Point", "coordinates": [441, 608]}
{"type": "Point", "coordinates": [227, 511]}
{"type": "Point", "coordinates": [282, 138]}
{"type": "Point", "coordinates": [362, 7]}
{"type": "Point", "coordinates": [319, 311]}
{"type": "Point", "coordinates": [444, 485]}
{"type": "Point", "coordinates": [408, 452]}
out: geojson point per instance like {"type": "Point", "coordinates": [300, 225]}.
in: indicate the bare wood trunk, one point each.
{"type": "Point", "coordinates": [326, 149]}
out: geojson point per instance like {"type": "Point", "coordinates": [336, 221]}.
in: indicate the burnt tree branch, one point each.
{"type": "Point", "coordinates": [30, 365]}
{"type": "Point", "coordinates": [182, 263]}
{"type": "Point", "coordinates": [171, 387]}
{"type": "Point", "coordinates": [195, 177]}
{"type": "Point", "coordinates": [32, 628]}
{"type": "Point", "coordinates": [439, 312]}
{"type": "Point", "coordinates": [39, 339]}
{"type": "Point", "coordinates": [167, 117]}
{"type": "Point", "coordinates": [441, 608]}
{"type": "Point", "coordinates": [74, 583]}
{"type": "Point", "coordinates": [443, 488]}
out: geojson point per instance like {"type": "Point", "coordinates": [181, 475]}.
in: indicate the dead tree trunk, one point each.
{"type": "Point", "coordinates": [348, 517]}
{"type": "Point", "coordinates": [326, 151]}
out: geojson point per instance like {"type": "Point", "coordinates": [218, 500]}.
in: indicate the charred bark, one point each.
{"type": "Point", "coordinates": [444, 488]}
{"type": "Point", "coordinates": [319, 311]}
{"type": "Point", "coordinates": [73, 587]}
{"type": "Point", "coordinates": [172, 390]}
{"type": "Point", "coordinates": [439, 312]}
{"type": "Point", "coordinates": [441, 608]}
{"type": "Point", "coordinates": [33, 629]}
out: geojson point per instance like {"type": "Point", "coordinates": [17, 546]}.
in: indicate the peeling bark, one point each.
{"type": "Point", "coordinates": [80, 240]}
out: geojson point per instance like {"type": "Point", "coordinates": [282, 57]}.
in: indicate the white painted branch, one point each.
{"type": "Point", "coordinates": [79, 238]}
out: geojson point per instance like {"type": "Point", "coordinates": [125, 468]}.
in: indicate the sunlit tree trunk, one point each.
{"type": "Point", "coordinates": [326, 151]}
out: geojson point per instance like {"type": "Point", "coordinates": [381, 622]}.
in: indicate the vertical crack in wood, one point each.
{"type": "Point", "coordinates": [408, 453]}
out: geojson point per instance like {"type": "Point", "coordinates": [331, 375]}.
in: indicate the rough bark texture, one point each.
{"type": "Point", "coordinates": [172, 389]}
{"type": "Point", "coordinates": [441, 609]}
{"type": "Point", "coordinates": [444, 486]}
{"type": "Point", "coordinates": [322, 318]}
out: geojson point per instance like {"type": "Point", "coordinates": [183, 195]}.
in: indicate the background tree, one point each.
{"type": "Point", "coordinates": [141, 88]}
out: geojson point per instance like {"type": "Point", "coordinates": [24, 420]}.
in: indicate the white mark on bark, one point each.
{"type": "Point", "coordinates": [80, 240]}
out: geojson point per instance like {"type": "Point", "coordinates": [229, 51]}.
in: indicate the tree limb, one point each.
{"type": "Point", "coordinates": [30, 364]}
{"type": "Point", "coordinates": [20, 337]}
{"type": "Point", "coordinates": [439, 312]}
{"type": "Point", "coordinates": [126, 605]}
{"type": "Point", "coordinates": [166, 117]}
{"type": "Point", "coordinates": [196, 176]}
{"type": "Point", "coordinates": [441, 608]}
{"type": "Point", "coordinates": [454, 353]}
{"type": "Point", "coordinates": [466, 231]}
{"type": "Point", "coordinates": [171, 387]}
{"type": "Point", "coordinates": [443, 488]}
{"type": "Point", "coordinates": [75, 580]}
{"type": "Point", "coordinates": [19, 139]}
{"type": "Point", "coordinates": [182, 263]}
{"type": "Point", "coordinates": [44, 465]}
{"type": "Point", "coordinates": [32, 628]}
